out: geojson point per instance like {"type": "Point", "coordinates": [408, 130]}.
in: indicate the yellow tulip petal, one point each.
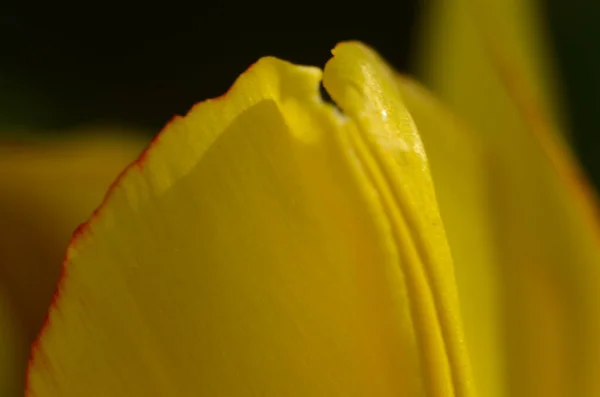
{"type": "Point", "coordinates": [460, 37]}
{"type": "Point", "coordinates": [365, 88]}
{"type": "Point", "coordinates": [546, 221]}
{"type": "Point", "coordinates": [458, 167]}
{"type": "Point", "coordinates": [257, 249]}
{"type": "Point", "coordinates": [46, 191]}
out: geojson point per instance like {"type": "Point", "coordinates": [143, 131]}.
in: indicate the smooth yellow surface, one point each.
{"type": "Point", "coordinates": [46, 190]}
{"type": "Point", "coordinates": [460, 36]}
{"type": "Point", "coordinates": [484, 60]}
{"type": "Point", "coordinates": [270, 246]}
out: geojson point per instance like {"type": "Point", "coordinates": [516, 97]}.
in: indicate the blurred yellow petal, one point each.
{"type": "Point", "coordinates": [458, 167]}
{"type": "Point", "coordinates": [266, 245]}
{"type": "Point", "coordinates": [482, 62]}
{"type": "Point", "coordinates": [46, 191]}
{"type": "Point", "coordinates": [14, 349]}
{"type": "Point", "coordinates": [462, 37]}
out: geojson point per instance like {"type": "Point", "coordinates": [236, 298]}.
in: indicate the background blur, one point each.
{"type": "Point", "coordinates": [62, 66]}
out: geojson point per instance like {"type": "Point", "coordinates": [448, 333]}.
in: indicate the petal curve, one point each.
{"type": "Point", "coordinates": [246, 252]}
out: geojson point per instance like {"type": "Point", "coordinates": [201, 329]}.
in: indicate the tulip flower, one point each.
{"type": "Point", "coordinates": [269, 243]}
{"type": "Point", "coordinates": [265, 244]}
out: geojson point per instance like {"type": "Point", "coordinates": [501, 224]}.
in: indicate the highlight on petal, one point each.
{"type": "Point", "coordinates": [46, 190]}
{"type": "Point", "coordinates": [365, 88]}
{"type": "Point", "coordinates": [459, 165]}
{"type": "Point", "coordinates": [546, 221]}
{"type": "Point", "coordinates": [265, 245]}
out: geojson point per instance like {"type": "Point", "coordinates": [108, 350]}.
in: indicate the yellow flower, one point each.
{"type": "Point", "coordinates": [266, 244]}
{"type": "Point", "coordinates": [270, 244]}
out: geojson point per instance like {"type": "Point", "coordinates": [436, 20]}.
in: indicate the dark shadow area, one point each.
{"type": "Point", "coordinates": [143, 66]}
{"type": "Point", "coordinates": [63, 65]}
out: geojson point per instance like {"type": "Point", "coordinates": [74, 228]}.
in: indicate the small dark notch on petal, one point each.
{"type": "Point", "coordinates": [326, 97]}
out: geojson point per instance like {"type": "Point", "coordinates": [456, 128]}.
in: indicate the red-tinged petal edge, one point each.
{"type": "Point", "coordinates": [83, 229]}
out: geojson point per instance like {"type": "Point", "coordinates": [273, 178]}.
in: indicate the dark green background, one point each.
{"type": "Point", "coordinates": [64, 65]}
